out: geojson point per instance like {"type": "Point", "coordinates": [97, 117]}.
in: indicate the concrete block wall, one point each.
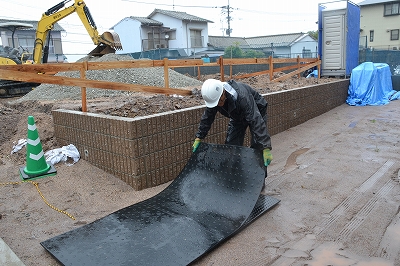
{"type": "Point", "coordinates": [152, 150]}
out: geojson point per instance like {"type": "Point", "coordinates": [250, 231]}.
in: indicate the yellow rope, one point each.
{"type": "Point", "coordinates": [40, 193]}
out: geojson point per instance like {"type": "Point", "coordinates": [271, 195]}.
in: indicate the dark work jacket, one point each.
{"type": "Point", "coordinates": [248, 108]}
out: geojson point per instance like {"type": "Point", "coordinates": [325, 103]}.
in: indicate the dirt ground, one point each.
{"type": "Point", "coordinates": [86, 193]}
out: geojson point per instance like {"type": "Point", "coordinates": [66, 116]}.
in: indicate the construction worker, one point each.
{"type": "Point", "coordinates": [244, 106]}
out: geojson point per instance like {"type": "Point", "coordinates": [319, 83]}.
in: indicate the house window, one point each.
{"type": "Point", "coordinates": [394, 35]}
{"type": "Point", "coordinates": [154, 40]}
{"type": "Point", "coordinates": [171, 34]}
{"type": "Point", "coordinates": [195, 38]}
{"type": "Point", "coordinates": [392, 9]}
{"type": "Point", "coordinates": [306, 53]}
{"type": "Point", "coordinates": [371, 35]}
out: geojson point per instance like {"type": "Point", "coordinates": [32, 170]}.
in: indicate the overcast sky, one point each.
{"type": "Point", "coordinates": [249, 17]}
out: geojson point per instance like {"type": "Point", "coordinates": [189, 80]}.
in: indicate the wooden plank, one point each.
{"type": "Point", "coordinates": [221, 68]}
{"type": "Point", "coordinates": [207, 65]}
{"type": "Point", "coordinates": [280, 69]}
{"type": "Point", "coordinates": [83, 89]}
{"type": "Point", "coordinates": [308, 60]}
{"type": "Point", "coordinates": [44, 68]}
{"type": "Point", "coordinates": [296, 71]}
{"type": "Point", "coordinates": [166, 76]}
{"type": "Point", "coordinates": [267, 71]}
{"type": "Point", "coordinates": [293, 60]}
{"type": "Point", "coordinates": [244, 61]}
{"type": "Point", "coordinates": [183, 63]}
{"type": "Point", "coordinates": [271, 68]}
{"type": "Point", "coordinates": [262, 60]}
{"type": "Point", "coordinates": [37, 78]}
{"type": "Point", "coordinates": [120, 64]}
{"type": "Point", "coordinates": [284, 60]}
{"type": "Point", "coordinates": [158, 63]}
{"type": "Point", "coordinates": [252, 74]}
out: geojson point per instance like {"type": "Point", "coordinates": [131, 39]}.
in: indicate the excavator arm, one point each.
{"type": "Point", "coordinates": [106, 43]}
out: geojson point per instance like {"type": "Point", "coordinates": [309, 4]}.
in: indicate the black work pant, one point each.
{"type": "Point", "coordinates": [236, 133]}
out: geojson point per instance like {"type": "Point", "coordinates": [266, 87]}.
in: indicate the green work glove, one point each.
{"type": "Point", "coordinates": [267, 156]}
{"type": "Point", "coordinates": [196, 144]}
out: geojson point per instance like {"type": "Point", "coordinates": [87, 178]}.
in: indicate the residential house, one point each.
{"type": "Point", "coordinates": [380, 24]}
{"type": "Point", "coordinates": [23, 38]}
{"type": "Point", "coordinates": [163, 29]}
{"type": "Point", "coordinates": [282, 45]}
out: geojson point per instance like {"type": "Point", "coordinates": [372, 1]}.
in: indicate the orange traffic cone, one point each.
{"type": "Point", "coordinates": [36, 165]}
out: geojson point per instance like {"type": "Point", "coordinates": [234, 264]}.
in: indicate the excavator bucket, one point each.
{"type": "Point", "coordinates": [109, 42]}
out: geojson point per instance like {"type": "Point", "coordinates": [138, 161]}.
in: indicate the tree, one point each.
{"type": "Point", "coordinates": [253, 54]}
{"type": "Point", "coordinates": [233, 51]}
{"type": "Point", "coordinates": [313, 34]}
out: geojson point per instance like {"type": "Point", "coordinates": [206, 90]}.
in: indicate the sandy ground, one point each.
{"type": "Point", "coordinates": [336, 176]}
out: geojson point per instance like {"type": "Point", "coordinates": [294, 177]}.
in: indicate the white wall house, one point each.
{"type": "Point", "coordinates": [380, 24]}
{"type": "Point", "coordinates": [304, 46]}
{"type": "Point", "coordinates": [140, 34]}
{"type": "Point", "coordinates": [163, 29]}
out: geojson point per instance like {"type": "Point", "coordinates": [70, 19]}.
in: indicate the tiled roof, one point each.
{"type": "Point", "coordinates": [275, 40]}
{"type": "Point", "coordinates": [225, 41]}
{"type": "Point", "coordinates": [373, 2]}
{"type": "Point", "coordinates": [178, 15]}
{"type": "Point", "coordinates": [255, 42]}
{"type": "Point", "coordinates": [34, 23]}
{"type": "Point", "coordinates": [147, 21]}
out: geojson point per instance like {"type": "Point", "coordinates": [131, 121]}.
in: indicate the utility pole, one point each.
{"type": "Point", "coordinates": [228, 18]}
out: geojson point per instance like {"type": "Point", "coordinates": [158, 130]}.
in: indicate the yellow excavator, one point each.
{"type": "Point", "coordinates": [107, 43]}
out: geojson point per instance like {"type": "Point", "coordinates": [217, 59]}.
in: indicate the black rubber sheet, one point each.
{"type": "Point", "coordinates": [216, 195]}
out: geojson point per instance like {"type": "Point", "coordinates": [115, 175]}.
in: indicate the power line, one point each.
{"type": "Point", "coordinates": [146, 3]}
{"type": "Point", "coordinates": [273, 13]}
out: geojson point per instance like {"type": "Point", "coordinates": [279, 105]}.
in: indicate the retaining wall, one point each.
{"type": "Point", "coordinates": [151, 150]}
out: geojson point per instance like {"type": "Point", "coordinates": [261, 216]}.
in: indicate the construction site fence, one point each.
{"type": "Point", "coordinates": [151, 150]}
{"type": "Point", "coordinates": [388, 56]}
{"type": "Point", "coordinates": [43, 73]}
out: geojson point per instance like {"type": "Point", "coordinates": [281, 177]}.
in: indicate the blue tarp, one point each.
{"type": "Point", "coordinates": [313, 74]}
{"type": "Point", "coordinates": [371, 84]}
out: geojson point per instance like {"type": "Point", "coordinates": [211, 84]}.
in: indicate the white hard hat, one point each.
{"type": "Point", "coordinates": [211, 91]}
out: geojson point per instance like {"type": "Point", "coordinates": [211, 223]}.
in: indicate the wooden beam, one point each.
{"type": "Point", "coordinates": [44, 68]}
{"type": "Point", "coordinates": [183, 63]}
{"type": "Point", "coordinates": [252, 74]}
{"type": "Point", "coordinates": [179, 63]}
{"type": "Point", "coordinates": [166, 77]}
{"type": "Point", "coordinates": [83, 89]}
{"type": "Point", "coordinates": [244, 61]}
{"type": "Point", "coordinates": [296, 71]}
{"type": "Point", "coordinates": [66, 81]}
{"type": "Point", "coordinates": [271, 68]}
{"type": "Point", "coordinates": [120, 64]}
{"type": "Point", "coordinates": [280, 69]}
{"type": "Point", "coordinates": [221, 68]}
{"type": "Point", "coordinates": [294, 60]}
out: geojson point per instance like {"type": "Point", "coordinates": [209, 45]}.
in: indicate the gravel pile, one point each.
{"type": "Point", "coordinates": [146, 76]}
